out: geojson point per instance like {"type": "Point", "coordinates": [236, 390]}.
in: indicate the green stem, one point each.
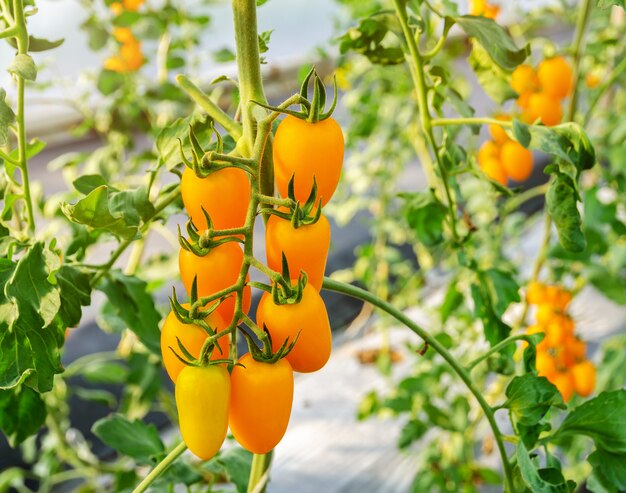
{"type": "Point", "coordinates": [259, 473]}
{"type": "Point", "coordinates": [446, 122]}
{"type": "Point", "coordinates": [212, 109]}
{"type": "Point", "coordinates": [422, 101]}
{"type": "Point", "coordinates": [495, 349]}
{"type": "Point", "coordinates": [364, 295]}
{"type": "Point", "coordinates": [517, 200]}
{"type": "Point", "coordinates": [267, 199]}
{"type": "Point", "coordinates": [581, 24]}
{"type": "Point", "coordinates": [161, 467]}
{"type": "Point", "coordinates": [22, 49]}
{"type": "Point", "coordinates": [249, 68]}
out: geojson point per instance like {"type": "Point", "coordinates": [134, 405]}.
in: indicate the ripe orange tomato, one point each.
{"type": "Point", "coordinates": [306, 248]}
{"type": "Point", "coordinates": [516, 160]}
{"type": "Point", "coordinates": [493, 169]}
{"type": "Point", "coordinates": [584, 378]}
{"type": "Point", "coordinates": [557, 297]}
{"type": "Point", "coordinates": [202, 398]}
{"type": "Point", "coordinates": [192, 337]}
{"type": "Point", "coordinates": [217, 270]}
{"type": "Point", "coordinates": [535, 293]}
{"type": "Point", "coordinates": [524, 79]}
{"type": "Point", "coordinates": [497, 132]}
{"type": "Point", "coordinates": [556, 77]}
{"type": "Point", "coordinates": [309, 318]}
{"type": "Point", "coordinates": [564, 382]}
{"type": "Point", "coordinates": [545, 364]}
{"type": "Point", "coordinates": [542, 105]}
{"type": "Point", "coordinates": [123, 35]}
{"type": "Point", "coordinates": [488, 150]}
{"type": "Point", "coordinates": [260, 403]}
{"type": "Point", "coordinates": [308, 150]}
{"type": "Point", "coordinates": [545, 314]}
{"type": "Point", "coordinates": [224, 194]}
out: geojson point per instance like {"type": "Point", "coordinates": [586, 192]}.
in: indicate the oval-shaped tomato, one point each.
{"type": "Point", "coordinates": [260, 403]}
{"type": "Point", "coordinates": [308, 150]}
{"type": "Point", "coordinates": [224, 194]}
{"type": "Point", "coordinates": [517, 161]}
{"type": "Point", "coordinates": [524, 79]}
{"type": "Point", "coordinates": [306, 248]}
{"type": "Point", "coordinates": [564, 382]}
{"type": "Point", "coordinates": [202, 398]}
{"type": "Point", "coordinates": [584, 378]}
{"type": "Point", "coordinates": [488, 150]}
{"type": "Point", "coordinates": [308, 317]}
{"type": "Point", "coordinates": [545, 364]}
{"type": "Point", "coordinates": [192, 337]}
{"type": "Point", "coordinates": [216, 271]}
{"type": "Point", "coordinates": [493, 168]}
{"type": "Point", "coordinates": [543, 106]}
{"type": "Point", "coordinates": [556, 77]}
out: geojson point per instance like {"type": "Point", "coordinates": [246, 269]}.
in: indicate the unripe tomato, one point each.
{"type": "Point", "coordinates": [592, 80]}
{"type": "Point", "coordinates": [584, 378]}
{"type": "Point", "coordinates": [202, 398]}
{"type": "Point", "coordinates": [309, 318]}
{"type": "Point", "coordinates": [224, 194]}
{"type": "Point", "coordinates": [556, 77]}
{"type": "Point", "coordinates": [497, 132]}
{"type": "Point", "coordinates": [524, 79]}
{"type": "Point", "coordinates": [216, 271]}
{"type": "Point", "coordinates": [308, 150]}
{"type": "Point", "coordinates": [545, 364]}
{"type": "Point", "coordinates": [306, 247]}
{"type": "Point", "coordinates": [535, 293]}
{"type": "Point", "coordinates": [260, 403]}
{"type": "Point", "coordinates": [192, 337]}
{"type": "Point", "coordinates": [493, 169]}
{"type": "Point", "coordinates": [564, 382]}
{"type": "Point", "coordinates": [542, 105]}
{"type": "Point", "coordinates": [516, 160]}
{"type": "Point", "coordinates": [488, 150]}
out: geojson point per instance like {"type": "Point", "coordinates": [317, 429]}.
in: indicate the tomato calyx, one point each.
{"type": "Point", "coordinates": [265, 353]}
{"type": "Point", "coordinates": [204, 162]}
{"type": "Point", "coordinates": [197, 316]}
{"type": "Point", "coordinates": [200, 244]}
{"type": "Point", "coordinates": [299, 215]}
{"type": "Point", "coordinates": [312, 110]}
{"type": "Point", "coordinates": [284, 289]}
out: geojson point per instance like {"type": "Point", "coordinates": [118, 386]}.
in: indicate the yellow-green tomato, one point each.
{"type": "Point", "coordinates": [202, 398]}
{"type": "Point", "coordinates": [260, 403]}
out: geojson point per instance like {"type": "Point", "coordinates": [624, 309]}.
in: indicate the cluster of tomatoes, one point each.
{"type": "Point", "coordinates": [560, 355]}
{"type": "Point", "coordinates": [482, 7]}
{"type": "Point", "coordinates": [252, 395]}
{"type": "Point", "coordinates": [541, 91]}
{"type": "Point", "coordinates": [502, 158]}
{"type": "Point", "coordinates": [129, 57]}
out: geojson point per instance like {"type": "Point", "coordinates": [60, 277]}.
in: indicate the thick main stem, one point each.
{"type": "Point", "coordinates": [22, 49]}
{"type": "Point", "coordinates": [364, 295]}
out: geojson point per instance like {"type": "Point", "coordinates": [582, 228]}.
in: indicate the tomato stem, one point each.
{"type": "Point", "coordinates": [259, 473]}
{"type": "Point", "coordinates": [160, 467]}
{"type": "Point", "coordinates": [494, 349]}
{"type": "Point", "coordinates": [579, 36]}
{"type": "Point", "coordinates": [445, 122]}
{"type": "Point", "coordinates": [355, 292]}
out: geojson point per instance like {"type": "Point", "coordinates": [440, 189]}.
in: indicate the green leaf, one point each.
{"type": "Point", "coordinates": [75, 293]}
{"type": "Point", "coordinates": [484, 308]}
{"type": "Point", "coordinates": [609, 468]}
{"type": "Point", "coordinates": [495, 40]}
{"type": "Point", "coordinates": [224, 55]}
{"type": "Point", "coordinates": [237, 462]}
{"type": "Point", "coordinates": [530, 397]}
{"type": "Point", "coordinates": [606, 4]}
{"type": "Point", "coordinates": [451, 301]}
{"type": "Point", "coordinates": [38, 44]}
{"type": "Point", "coordinates": [29, 341]}
{"type": "Point", "coordinates": [503, 288]}
{"type": "Point", "coordinates": [7, 117]}
{"type": "Point", "coordinates": [542, 480]}
{"type": "Point", "coordinates": [264, 40]}
{"type": "Point", "coordinates": [23, 66]}
{"type": "Point", "coordinates": [104, 208]}
{"type": "Point", "coordinates": [86, 184]}
{"type": "Point", "coordinates": [167, 141]}
{"type": "Point", "coordinates": [411, 431]}
{"type": "Point", "coordinates": [132, 438]}
{"type": "Point", "coordinates": [493, 79]}
{"type": "Point", "coordinates": [133, 305]}
{"type": "Point", "coordinates": [22, 413]}
{"type": "Point", "coordinates": [372, 39]}
{"type": "Point", "coordinates": [425, 215]}
{"type": "Point", "coordinates": [602, 418]}
{"type": "Point", "coordinates": [567, 141]}
{"type": "Point", "coordinates": [107, 372]}
{"type": "Point", "coordinates": [97, 35]}
{"type": "Point", "coordinates": [98, 396]}
{"type": "Point", "coordinates": [561, 200]}
{"type": "Point", "coordinates": [109, 82]}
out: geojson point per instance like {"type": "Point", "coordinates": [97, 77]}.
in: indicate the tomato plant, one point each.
{"type": "Point", "coordinates": [501, 331]}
